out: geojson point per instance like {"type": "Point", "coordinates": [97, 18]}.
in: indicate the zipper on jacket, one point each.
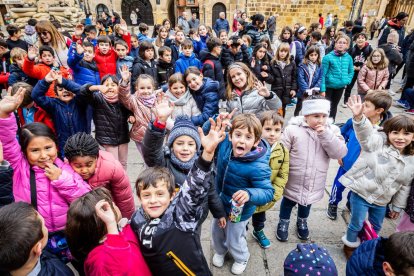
{"type": "Point", "coordinates": [375, 82]}
{"type": "Point", "coordinates": [180, 264]}
{"type": "Point", "coordinates": [50, 206]}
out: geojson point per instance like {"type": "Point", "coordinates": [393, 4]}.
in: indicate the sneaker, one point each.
{"type": "Point", "coordinates": [282, 232]}
{"type": "Point", "coordinates": [344, 105]}
{"type": "Point", "coordinates": [402, 103]}
{"type": "Point", "coordinates": [239, 268]}
{"type": "Point", "coordinates": [261, 238]}
{"type": "Point", "coordinates": [332, 211]}
{"type": "Point", "coordinates": [218, 260]}
{"type": "Point", "coordinates": [302, 228]}
{"type": "Point", "coordinates": [410, 111]}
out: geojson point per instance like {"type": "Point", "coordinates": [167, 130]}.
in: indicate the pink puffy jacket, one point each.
{"type": "Point", "coordinates": [110, 174]}
{"type": "Point", "coordinates": [53, 197]}
{"type": "Point", "coordinates": [371, 79]}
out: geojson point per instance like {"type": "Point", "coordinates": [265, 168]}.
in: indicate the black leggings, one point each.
{"type": "Point", "coordinates": [348, 89]}
{"type": "Point", "coordinates": [334, 96]}
{"type": "Point", "coordinates": [298, 107]}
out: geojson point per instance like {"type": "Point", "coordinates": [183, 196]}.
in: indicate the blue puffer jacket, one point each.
{"type": "Point", "coordinates": [367, 259]}
{"type": "Point", "coordinates": [300, 51]}
{"type": "Point", "coordinates": [17, 75]}
{"type": "Point", "coordinates": [338, 71]}
{"type": "Point", "coordinates": [69, 118]}
{"type": "Point", "coordinates": [128, 61]}
{"type": "Point", "coordinates": [303, 79]}
{"type": "Point", "coordinates": [83, 72]}
{"type": "Point", "coordinates": [250, 173]}
{"type": "Point", "coordinates": [184, 62]}
{"type": "Point", "coordinates": [207, 98]}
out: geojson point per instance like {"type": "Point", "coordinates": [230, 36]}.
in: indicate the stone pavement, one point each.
{"type": "Point", "coordinates": [323, 231]}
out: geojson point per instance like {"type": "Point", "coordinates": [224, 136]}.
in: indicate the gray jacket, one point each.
{"type": "Point", "coordinates": [380, 174]}
{"type": "Point", "coordinates": [251, 102]}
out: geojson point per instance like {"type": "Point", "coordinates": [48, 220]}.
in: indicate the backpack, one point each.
{"type": "Point", "coordinates": [209, 62]}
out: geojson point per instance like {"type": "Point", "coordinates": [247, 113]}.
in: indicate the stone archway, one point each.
{"type": "Point", "coordinates": [142, 8]}
{"type": "Point", "coordinates": [217, 9]}
{"type": "Point", "coordinates": [101, 8]}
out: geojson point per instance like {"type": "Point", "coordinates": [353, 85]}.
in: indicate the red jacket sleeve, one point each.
{"type": "Point", "coordinates": [32, 70]}
{"type": "Point", "coordinates": [127, 39]}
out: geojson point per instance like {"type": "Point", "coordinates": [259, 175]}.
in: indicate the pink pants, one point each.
{"type": "Point", "coordinates": [120, 153]}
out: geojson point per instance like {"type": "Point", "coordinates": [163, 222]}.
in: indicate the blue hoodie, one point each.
{"type": "Point", "coordinates": [250, 173]}
{"type": "Point", "coordinates": [184, 62]}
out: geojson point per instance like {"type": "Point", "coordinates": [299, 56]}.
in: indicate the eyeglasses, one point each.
{"type": "Point", "coordinates": [44, 33]}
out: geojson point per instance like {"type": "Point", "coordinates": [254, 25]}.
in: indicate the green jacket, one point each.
{"type": "Point", "coordinates": [338, 71]}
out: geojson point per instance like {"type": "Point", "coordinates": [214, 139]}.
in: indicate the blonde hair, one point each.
{"type": "Point", "coordinates": [382, 64]}
{"type": "Point", "coordinates": [282, 47]}
{"type": "Point", "coordinates": [57, 41]}
{"type": "Point", "coordinates": [17, 52]}
{"type": "Point", "coordinates": [250, 77]}
{"type": "Point", "coordinates": [158, 41]}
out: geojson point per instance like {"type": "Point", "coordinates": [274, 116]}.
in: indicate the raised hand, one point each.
{"type": "Point", "coordinates": [59, 77]}
{"type": "Point", "coordinates": [106, 214]}
{"type": "Point", "coordinates": [210, 141]}
{"type": "Point", "coordinates": [262, 89]}
{"type": "Point", "coordinates": [10, 103]}
{"type": "Point", "coordinates": [32, 53]}
{"type": "Point", "coordinates": [52, 172]}
{"type": "Point", "coordinates": [79, 30]}
{"type": "Point", "coordinates": [292, 93]}
{"type": "Point", "coordinates": [102, 88]}
{"type": "Point", "coordinates": [253, 62]}
{"type": "Point", "coordinates": [356, 106]}
{"type": "Point", "coordinates": [125, 74]}
{"type": "Point", "coordinates": [51, 76]}
{"type": "Point", "coordinates": [79, 48]}
{"type": "Point", "coordinates": [163, 108]}
{"type": "Point", "coordinates": [226, 117]}
{"type": "Point", "coordinates": [264, 74]}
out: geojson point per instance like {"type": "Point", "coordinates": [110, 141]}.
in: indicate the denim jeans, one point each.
{"type": "Point", "coordinates": [359, 209]}
{"type": "Point", "coordinates": [287, 206]}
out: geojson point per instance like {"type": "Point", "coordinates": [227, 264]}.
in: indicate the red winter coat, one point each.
{"type": "Point", "coordinates": [118, 255]}
{"type": "Point", "coordinates": [40, 116]}
{"type": "Point", "coordinates": [110, 174]}
{"type": "Point", "coordinates": [107, 63]}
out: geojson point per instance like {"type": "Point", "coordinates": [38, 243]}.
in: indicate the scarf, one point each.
{"type": "Point", "coordinates": [339, 54]}
{"type": "Point", "coordinates": [312, 69]}
{"type": "Point", "coordinates": [110, 99]}
{"type": "Point", "coordinates": [282, 64]}
{"type": "Point", "coordinates": [148, 101]}
{"type": "Point", "coordinates": [183, 165]}
{"type": "Point", "coordinates": [179, 101]}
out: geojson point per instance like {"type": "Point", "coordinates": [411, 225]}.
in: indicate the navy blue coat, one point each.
{"type": "Point", "coordinates": [69, 118]}
{"type": "Point", "coordinates": [303, 79]}
{"type": "Point", "coordinates": [213, 72]}
{"type": "Point", "coordinates": [6, 187]}
{"type": "Point", "coordinates": [17, 75]}
{"type": "Point", "coordinates": [250, 173]}
{"type": "Point", "coordinates": [367, 259]}
{"type": "Point", "coordinates": [207, 98]}
{"type": "Point", "coordinates": [83, 72]}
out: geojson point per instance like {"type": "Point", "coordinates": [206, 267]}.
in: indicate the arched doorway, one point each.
{"type": "Point", "coordinates": [101, 8]}
{"type": "Point", "coordinates": [172, 12]}
{"type": "Point", "coordinates": [217, 9]}
{"type": "Point", "coordinates": [142, 8]}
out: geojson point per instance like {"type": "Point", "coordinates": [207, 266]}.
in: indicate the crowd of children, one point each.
{"type": "Point", "coordinates": [206, 112]}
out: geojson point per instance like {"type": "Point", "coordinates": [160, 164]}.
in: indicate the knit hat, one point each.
{"type": "Point", "coordinates": [314, 106]}
{"type": "Point", "coordinates": [29, 30]}
{"type": "Point", "coordinates": [309, 259]}
{"type": "Point", "coordinates": [184, 126]}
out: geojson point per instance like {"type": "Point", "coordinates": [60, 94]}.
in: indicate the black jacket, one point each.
{"type": "Point", "coordinates": [170, 244]}
{"type": "Point", "coordinates": [394, 57]}
{"type": "Point", "coordinates": [254, 33]}
{"type": "Point", "coordinates": [175, 53]}
{"type": "Point", "coordinates": [17, 75]}
{"type": "Point", "coordinates": [111, 119]}
{"type": "Point", "coordinates": [214, 73]}
{"type": "Point", "coordinates": [140, 66]}
{"type": "Point", "coordinates": [6, 184]}
{"type": "Point", "coordinates": [359, 56]}
{"type": "Point", "coordinates": [283, 80]}
{"type": "Point", "coordinates": [155, 154]}
{"type": "Point", "coordinates": [227, 56]}
{"type": "Point", "coordinates": [164, 72]}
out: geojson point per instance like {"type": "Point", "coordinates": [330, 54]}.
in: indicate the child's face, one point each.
{"type": "Point", "coordinates": [47, 58]}
{"type": "Point", "coordinates": [239, 26]}
{"type": "Point", "coordinates": [184, 148]}
{"type": "Point", "coordinates": [261, 53]}
{"type": "Point", "coordinates": [84, 166]}
{"type": "Point", "coordinates": [64, 95]}
{"type": "Point", "coordinates": [166, 57]}
{"type": "Point", "coordinates": [121, 51]}
{"type": "Point", "coordinates": [179, 36]}
{"type": "Point", "coordinates": [144, 88]}
{"type": "Point", "coordinates": [91, 35]}
{"type": "Point", "coordinates": [217, 50]}
{"type": "Point", "coordinates": [155, 200]}
{"type": "Point", "coordinates": [341, 45]}
{"type": "Point", "coordinates": [19, 62]}
{"type": "Point", "coordinates": [286, 35]}
{"type": "Point", "coordinates": [99, 25]}
{"type": "Point", "coordinates": [112, 87]}
{"type": "Point", "coordinates": [238, 77]}
{"type": "Point", "coordinates": [316, 120]}
{"type": "Point", "coordinates": [104, 47]}
{"type": "Point", "coordinates": [223, 37]}
{"type": "Point", "coordinates": [360, 41]}
{"type": "Point", "coordinates": [370, 111]}
{"type": "Point", "coordinates": [194, 81]}
{"type": "Point", "coordinates": [313, 57]}
{"type": "Point", "coordinates": [242, 141]}
{"type": "Point", "coordinates": [376, 57]}
{"type": "Point", "coordinates": [177, 89]}
{"type": "Point", "coordinates": [145, 32]}
{"type": "Point", "coordinates": [163, 34]}
{"type": "Point", "coordinates": [167, 25]}
{"type": "Point", "coordinates": [134, 42]}
{"type": "Point", "coordinates": [283, 54]}
{"type": "Point", "coordinates": [246, 42]}
{"type": "Point", "coordinates": [202, 31]}
{"type": "Point", "coordinates": [188, 51]}
{"type": "Point", "coordinates": [400, 139]}
{"type": "Point", "coordinates": [88, 54]}
{"type": "Point", "coordinates": [149, 54]}
{"type": "Point", "coordinates": [271, 132]}
{"type": "Point", "coordinates": [41, 150]}
{"type": "Point", "coordinates": [18, 34]}
{"type": "Point", "coordinates": [303, 35]}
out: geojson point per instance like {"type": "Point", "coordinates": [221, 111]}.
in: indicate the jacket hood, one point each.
{"type": "Point", "coordinates": [368, 257]}
{"type": "Point", "coordinates": [205, 55]}
{"type": "Point", "coordinates": [387, 116]}
{"type": "Point", "coordinates": [185, 57]}
{"type": "Point", "coordinates": [256, 153]}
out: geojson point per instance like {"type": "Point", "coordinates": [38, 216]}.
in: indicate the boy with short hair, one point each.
{"type": "Point", "coordinates": [316, 40]}
{"type": "Point", "coordinates": [234, 51]}
{"type": "Point", "coordinates": [211, 63]}
{"type": "Point", "coordinates": [167, 226]}
{"type": "Point", "coordinates": [376, 106]}
{"type": "Point", "coordinates": [272, 125]}
{"type": "Point", "coordinates": [176, 44]}
{"type": "Point", "coordinates": [23, 236]}
{"type": "Point", "coordinates": [40, 70]}
{"type": "Point", "coordinates": [14, 38]}
{"type": "Point", "coordinates": [242, 179]}
{"type": "Point", "coordinates": [165, 66]}
{"type": "Point", "coordinates": [143, 33]}
{"type": "Point", "coordinates": [122, 50]}
{"type": "Point", "coordinates": [81, 61]}
{"type": "Point", "coordinates": [91, 34]}
{"type": "Point", "coordinates": [16, 73]}
{"type": "Point", "coordinates": [187, 58]}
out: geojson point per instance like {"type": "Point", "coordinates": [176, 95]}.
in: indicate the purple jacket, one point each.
{"type": "Point", "coordinates": [309, 155]}
{"type": "Point", "coordinates": [53, 197]}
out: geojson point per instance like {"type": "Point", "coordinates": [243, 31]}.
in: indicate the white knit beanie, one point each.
{"type": "Point", "coordinates": [316, 106]}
